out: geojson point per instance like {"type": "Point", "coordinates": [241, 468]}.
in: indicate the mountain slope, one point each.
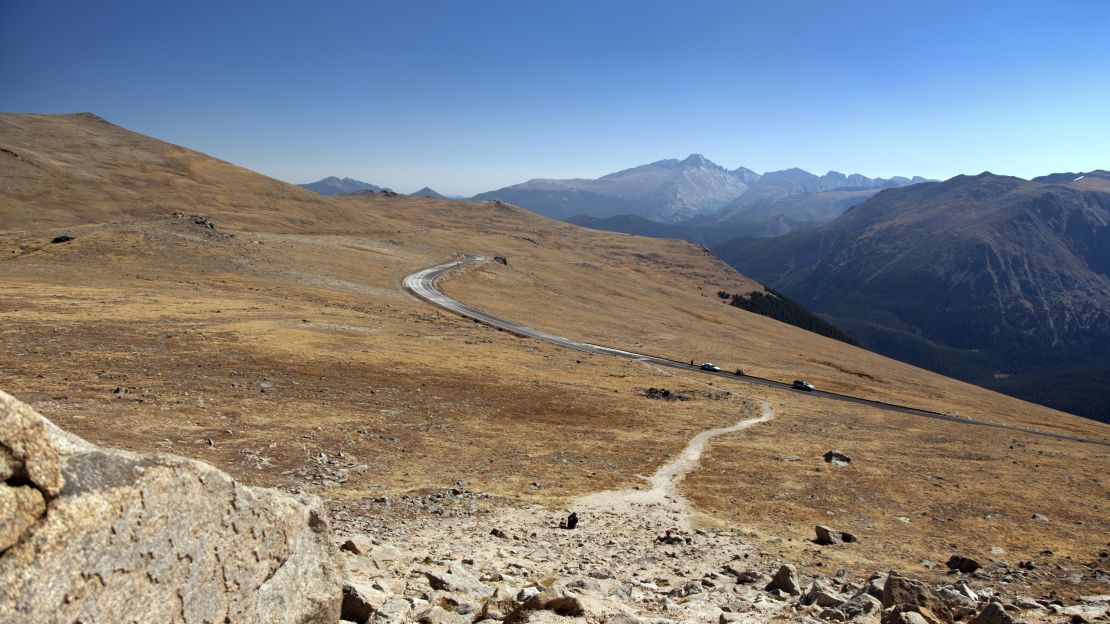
{"type": "Point", "coordinates": [62, 170]}
{"type": "Point", "coordinates": [666, 191]}
{"type": "Point", "coordinates": [281, 347]}
{"type": "Point", "coordinates": [339, 186]}
{"type": "Point", "coordinates": [980, 277]}
{"type": "Point", "coordinates": [638, 226]}
{"type": "Point", "coordinates": [775, 217]}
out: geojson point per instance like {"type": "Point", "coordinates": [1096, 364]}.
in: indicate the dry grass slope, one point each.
{"type": "Point", "coordinates": [284, 334]}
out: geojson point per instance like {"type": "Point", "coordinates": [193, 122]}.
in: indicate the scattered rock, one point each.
{"type": "Point", "coordinates": [439, 615]}
{"type": "Point", "coordinates": [457, 580]}
{"type": "Point", "coordinates": [665, 395]}
{"type": "Point", "coordinates": [861, 604]}
{"type": "Point", "coordinates": [64, 238]}
{"type": "Point", "coordinates": [837, 458]}
{"type": "Point", "coordinates": [790, 458]}
{"type": "Point", "coordinates": [1043, 519]}
{"type": "Point", "coordinates": [501, 260]}
{"type": "Point", "coordinates": [743, 577]}
{"type": "Point", "coordinates": [875, 585]}
{"type": "Point", "coordinates": [906, 615]}
{"type": "Point", "coordinates": [558, 600]}
{"type": "Point", "coordinates": [1084, 612]}
{"type": "Point", "coordinates": [785, 580]}
{"type": "Point", "coordinates": [360, 601]}
{"type": "Point", "coordinates": [827, 536]}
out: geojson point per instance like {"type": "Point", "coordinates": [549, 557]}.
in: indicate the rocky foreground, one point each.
{"type": "Point", "coordinates": [444, 558]}
{"type": "Point", "coordinates": [95, 535]}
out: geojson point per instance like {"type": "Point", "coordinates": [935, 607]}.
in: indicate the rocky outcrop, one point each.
{"type": "Point", "coordinates": [98, 535]}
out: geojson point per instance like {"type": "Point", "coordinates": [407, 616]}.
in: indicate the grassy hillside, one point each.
{"type": "Point", "coordinates": [280, 346]}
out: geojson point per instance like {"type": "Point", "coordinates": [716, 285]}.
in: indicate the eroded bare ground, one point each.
{"type": "Point", "coordinates": [297, 361]}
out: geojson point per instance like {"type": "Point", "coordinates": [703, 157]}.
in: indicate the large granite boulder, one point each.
{"type": "Point", "coordinates": [97, 535]}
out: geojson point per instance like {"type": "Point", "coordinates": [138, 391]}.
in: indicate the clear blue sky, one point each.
{"type": "Point", "coordinates": [473, 95]}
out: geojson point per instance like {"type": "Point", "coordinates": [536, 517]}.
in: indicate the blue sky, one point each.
{"type": "Point", "coordinates": [473, 95]}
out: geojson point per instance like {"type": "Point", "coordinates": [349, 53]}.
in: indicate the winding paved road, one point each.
{"type": "Point", "coordinates": [423, 285]}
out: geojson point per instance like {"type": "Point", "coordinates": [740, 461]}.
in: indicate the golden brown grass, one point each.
{"type": "Point", "coordinates": [303, 292]}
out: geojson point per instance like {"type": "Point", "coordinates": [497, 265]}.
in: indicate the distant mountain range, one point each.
{"type": "Point", "coordinates": [339, 186]}
{"type": "Point", "coordinates": [667, 191]}
{"type": "Point", "coordinates": [698, 200]}
{"type": "Point", "coordinates": [996, 280]}
{"type": "Point", "coordinates": [710, 203]}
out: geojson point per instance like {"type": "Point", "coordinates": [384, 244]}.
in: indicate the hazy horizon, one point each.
{"type": "Point", "coordinates": [466, 98]}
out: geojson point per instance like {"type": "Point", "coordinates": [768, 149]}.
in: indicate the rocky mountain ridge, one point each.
{"type": "Point", "coordinates": [977, 277]}
{"type": "Point", "coordinates": [673, 191]}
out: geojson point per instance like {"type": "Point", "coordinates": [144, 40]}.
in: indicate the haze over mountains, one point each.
{"type": "Point", "coordinates": [710, 203]}
{"type": "Point", "coordinates": [997, 280]}
{"type": "Point", "coordinates": [672, 191]}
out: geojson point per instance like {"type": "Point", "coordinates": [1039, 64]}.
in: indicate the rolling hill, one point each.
{"type": "Point", "coordinates": [987, 278]}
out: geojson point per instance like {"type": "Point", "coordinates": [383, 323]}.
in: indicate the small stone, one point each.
{"type": "Point", "coordinates": [837, 458]}
{"type": "Point", "coordinates": [358, 544]}
{"type": "Point", "coordinates": [1043, 519]}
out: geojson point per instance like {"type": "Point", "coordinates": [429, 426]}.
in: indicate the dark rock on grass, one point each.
{"type": "Point", "coordinates": [829, 537]}
{"type": "Point", "coordinates": [665, 395]}
{"type": "Point", "coordinates": [64, 238]}
{"type": "Point", "coordinates": [837, 458]}
{"type": "Point", "coordinates": [963, 564]}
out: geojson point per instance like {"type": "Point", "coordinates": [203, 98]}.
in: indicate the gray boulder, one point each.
{"type": "Point", "coordinates": [822, 595]}
{"type": "Point", "coordinates": [101, 535]}
{"type": "Point", "coordinates": [785, 580]}
{"type": "Point", "coordinates": [993, 613]}
{"type": "Point", "coordinates": [908, 594]}
{"type": "Point", "coordinates": [457, 580]}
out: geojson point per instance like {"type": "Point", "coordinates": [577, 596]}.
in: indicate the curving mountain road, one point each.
{"type": "Point", "coordinates": [423, 285]}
